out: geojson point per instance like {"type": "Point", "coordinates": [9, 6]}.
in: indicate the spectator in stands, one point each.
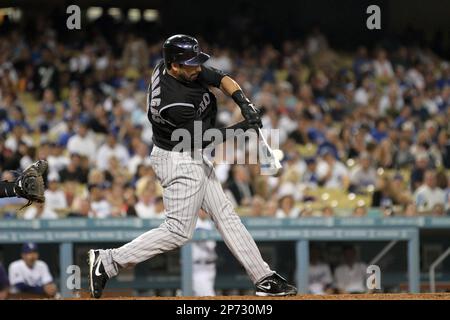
{"type": "Point", "coordinates": [320, 277]}
{"type": "Point", "coordinates": [417, 174]}
{"type": "Point", "coordinates": [140, 156]}
{"type": "Point", "coordinates": [39, 211]}
{"type": "Point", "coordinates": [429, 195]}
{"type": "Point", "coordinates": [83, 142]}
{"type": "Point", "coordinates": [74, 170]}
{"type": "Point", "coordinates": [360, 211]}
{"type": "Point", "coordinates": [31, 275]}
{"type": "Point", "coordinates": [382, 66]}
{"type": "Point", "coordinates": [309, 176]}
{"type": "Point", "coordinates": [257, 206]}
{"type": "Point", "coordinates": [363, 174]}
{"type": "Point", "coordinates": [271, 208]}
{"type": "Point", "coordinates": [100, 208]}
{"type": "Point", "coordinates": [82, 209]}
{"type": "Point", "coordinates": [444, 148]}
{"type": "Point", "coordinates": [159, 208]}
{"type": "Point", "coordinates": [240, 185]}
{"type": "Point", "coordinates": [18, 135]}
{"type": "Point", "coordinates": [410, 210]}
{"type": "Point", "coordinates": [389, 192]}
{"type": "Point", "coordinates": [46, 73]}
{"type": "Point", "coordinates": [327, 211]}
{"type": "Point", "coordinates": [130, 201]}
{"type": "Point", "coordinates": [115, 197]}
{"type": "Point", "coordinates": [55, 199]}
{"type": "Point", "coordinates": [111, 149]}
{"type": "Point", "coordinates": [365, 92]}
{"type": "Point", "coordinates": [4, 283]}
{"type": "Point", "coordinates": [146, 193]}
{"type": "Point", "coordinates": [331, 172]}
{"type": "Point", "coordinates": [286, 207]}
{"type": "Point", "coordinates": [403, 157]}
{"type": "Point", "coordinates": [57, 161]}
{"type": "Point", "coordinates": [350, 276]}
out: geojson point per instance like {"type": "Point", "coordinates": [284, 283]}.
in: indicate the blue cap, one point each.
{"type": "Point", "coordinates": [310, 160]}
{"type": "Point", "coordinates": [29, 247]}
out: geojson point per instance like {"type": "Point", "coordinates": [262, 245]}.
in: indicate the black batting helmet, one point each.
{"type": "Point", "coordinates": [183, 49]}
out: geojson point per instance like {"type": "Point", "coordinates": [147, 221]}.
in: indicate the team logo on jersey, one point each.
{"type": "Point", "coordinates": [204, 104]}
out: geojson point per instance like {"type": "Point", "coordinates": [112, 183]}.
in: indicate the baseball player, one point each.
{"type": "Point", "coordinates": [29, 184]}
{"type": "Point", "coordinates": [179, 94]}
{"type": "Point", "coordinates": [31, 275]}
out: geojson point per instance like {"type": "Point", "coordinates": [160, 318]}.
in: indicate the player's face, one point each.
{"type": "Point", "coordinates": [30, 258]}
{"type": "Point", "coordinates": [187, 73]}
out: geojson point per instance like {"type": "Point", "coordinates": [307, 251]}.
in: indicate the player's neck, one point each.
{"type": "Point", "coordinates": [172, 74]}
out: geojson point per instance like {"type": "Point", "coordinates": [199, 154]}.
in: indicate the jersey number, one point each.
{"type": "Point", "coordinates": [153, 97]}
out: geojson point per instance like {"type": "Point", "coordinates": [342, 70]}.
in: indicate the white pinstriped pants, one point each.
{"type": "Point", "coordinates": [188, 185]}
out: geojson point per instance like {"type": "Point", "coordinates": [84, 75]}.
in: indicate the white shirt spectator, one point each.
{"type": "Point", "coordinates": [135, 161]}
{"type": "Point", "coordinates": [319, 278]}
{"type": "Point", "coordinates": [361, 96]}
{"type": "Point", "coordinates": [145, 211]}
{"type": "Point", "coordinates": [426, 197]}
{"type": "Point", "coordinates": [57, 163]}
{"type": "Point", "coordinates": [339, 171]}
{"type": "Point", "coordinates": [106, 152]}
{"type": "Point", "coordinates": [222, 171]}
{"type": "Point", "coordinates": [84, 146]}
{"type": "Point", "coordinates": [416, 78]}
{"type": "Point", "coordinates": [287, 124]}
{"type": "Point", "coordinates": [129, 104]}
{"type": "Point", "coordinates": [19, 272]}
{"type": "Point", "coordinates": [363, 178]}
{"type": "Point", "coordinates": [383, 69]}
{"type": "Point", "coordinates": [294, 213]}
{"type": "Point", "coordinates": [351, 279]}
{"type": "Point", "coordinates": [34, 213]}
{"type": "Point", "coordinates": [55, 199]}
{"type": "Point", "coordinates": [100, 209]}
{"type": "Point", "coordinates": [12, 144]}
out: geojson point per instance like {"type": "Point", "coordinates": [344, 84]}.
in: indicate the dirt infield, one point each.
{"type": "Point", "coordinates": [401, 296]}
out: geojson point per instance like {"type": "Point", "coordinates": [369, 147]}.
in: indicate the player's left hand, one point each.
{"type": "Point", "coordinates": [252, 115]}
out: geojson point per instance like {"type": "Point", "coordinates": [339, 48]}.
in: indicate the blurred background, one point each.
{"type": "Point", "coordinates": [363, 117]}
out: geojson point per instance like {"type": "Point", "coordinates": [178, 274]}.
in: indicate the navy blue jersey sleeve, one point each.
{"type": "Point", "coordinates": [211, 76]}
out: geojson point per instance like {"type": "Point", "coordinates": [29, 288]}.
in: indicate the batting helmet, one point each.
{"type": "Point", "coordinates": [183, 49]}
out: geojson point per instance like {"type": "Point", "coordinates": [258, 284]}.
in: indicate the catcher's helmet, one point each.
{"type": "Point", "coordinates": [183, 49]}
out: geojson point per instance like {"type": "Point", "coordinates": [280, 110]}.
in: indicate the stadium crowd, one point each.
{"type": "Point", "coordinates": [359, 130]}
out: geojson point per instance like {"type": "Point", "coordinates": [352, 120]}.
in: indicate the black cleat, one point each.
{"type": "Point", "coordinates": [97, 274]}
{"type": "Point", "coordinates": [274, 286]}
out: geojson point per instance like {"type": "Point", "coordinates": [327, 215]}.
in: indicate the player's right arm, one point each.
{"type": "Point", "coordinates": [230, 87]}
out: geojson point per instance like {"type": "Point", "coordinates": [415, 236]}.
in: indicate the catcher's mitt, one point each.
{"type": "Point", "coordinates": [30, 184]}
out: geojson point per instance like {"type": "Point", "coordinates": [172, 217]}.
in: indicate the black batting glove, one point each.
{"type": "Point", "coordinates": [248, 110]}
{"type": "Point", "coordinates": [252, 116]}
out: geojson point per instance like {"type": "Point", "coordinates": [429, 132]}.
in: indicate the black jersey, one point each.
{"type": "Point", "coordinates": [174, 104]}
